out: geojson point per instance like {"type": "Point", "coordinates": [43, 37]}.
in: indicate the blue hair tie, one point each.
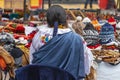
{"type": "Point", "coordinates": [55, 28]}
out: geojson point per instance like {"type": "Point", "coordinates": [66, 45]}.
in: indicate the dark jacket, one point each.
{"type": "Point", "coordinates": [38, 72]}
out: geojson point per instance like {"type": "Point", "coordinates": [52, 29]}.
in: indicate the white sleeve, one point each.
{"type": "Point", "coordinates": [35, 45]}
{"type": "Point", "coordinates": [32, 50]}
{"type": "Point", "coordinates": [88, 58]}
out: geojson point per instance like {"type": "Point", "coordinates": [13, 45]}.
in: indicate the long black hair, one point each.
{"type": "Point", "coordinates": [56, 14]}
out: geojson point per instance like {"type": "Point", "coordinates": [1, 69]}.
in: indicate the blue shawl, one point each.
{"type": "Point", "coordinates": [64, 51]}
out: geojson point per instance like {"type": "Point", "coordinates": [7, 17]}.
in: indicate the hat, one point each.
{"type": "Point", "coordinates": [20, 29]}
{"type": "Point", "coordinates": [90, 35]}
{"type": "Point", "coordinates": [79, 18]}
{"type": "Point", "coordinates": [102, 22]}
{"type": "Point", "coordinates": [106, 34]}
{"type": "Point", "coordinates": [86, 20]}
{"type": "Point", "coordinates": [112, 21]}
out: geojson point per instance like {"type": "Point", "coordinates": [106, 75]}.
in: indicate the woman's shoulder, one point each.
{"type": "Point", "coordinates": [44, 26]}
{"type": "Point", "coordinates": [46, 29]}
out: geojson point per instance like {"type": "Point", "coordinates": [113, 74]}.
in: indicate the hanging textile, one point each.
{"type": "Point", "coordinates": [103, 4]}
{"type": "Point", "coordinates": [35, 4]}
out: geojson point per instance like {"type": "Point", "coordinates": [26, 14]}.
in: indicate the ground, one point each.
{"type": "Point", "coordinates": [75, 6]}
{"type": "Point", "coordinates": [81, 6]}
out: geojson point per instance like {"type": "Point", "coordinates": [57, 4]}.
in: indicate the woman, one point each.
{"type": "Point", "coordinates": [111, 4]}
{"type": "Point", "coordinates": [55, 45]}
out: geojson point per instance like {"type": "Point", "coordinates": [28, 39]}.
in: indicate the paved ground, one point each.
{"type": "Point", "coordinates": [69, 6]}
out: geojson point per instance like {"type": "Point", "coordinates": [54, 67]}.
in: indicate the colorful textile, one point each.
{"type": "Point", "coordinates": [96, 24]}
{"type": "Point", "coordinates": [90, 35]}
{"type": "Point", "coordinates": [106, 34]}
{"type": "Point", "coordinates": [7, 41]}
{"type": "Point", "coordinates": [112, 21]}
{"type": "Point", "coordinates": [6, 38]}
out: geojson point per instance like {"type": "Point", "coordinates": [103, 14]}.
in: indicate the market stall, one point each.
{"type": "Point", "coordinates": [101, 39]}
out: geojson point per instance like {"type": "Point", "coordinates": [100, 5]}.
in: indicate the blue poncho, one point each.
{"type": "Point", "coordinates": [64, 51]}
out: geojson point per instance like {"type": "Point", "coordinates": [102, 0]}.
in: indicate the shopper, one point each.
{"type": "Point", "coordinates": [88, 2]}
{"type": "Point", "coordinates": [111, 4]}
{"type": "Point", "coordinates": [55, 45]}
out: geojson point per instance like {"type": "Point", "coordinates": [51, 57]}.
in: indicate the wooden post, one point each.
{"type": "Point", "coordinates": [82, 13]}
{"type": "Point", "coordinates": [11, 5]}
{"type": "Point", "coordinates": [118, 4]}
{"type": "Point", "coordinates": [42, 4]}
{"type": "Point", "coordinates": [73, 15]}
{"type": "Point", "coordinates": [49, 3]}
{"type": "Point", "coordinates": [24, 9]}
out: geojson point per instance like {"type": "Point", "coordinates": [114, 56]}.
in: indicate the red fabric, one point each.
{"type": "Point", "coordinates": [2, 63]}
{"type": "Point", "coordinates": [110, 20]}
{"type": "Point", "coordinates": [20, 29]}
{"type": "Point", "coordinates": [103, 4]}
{"type": "Point", "coordinates": [31, 35]}
{"type": "Point", "coordinates": [94, 46]}
{"type": "Point", "coordinates": [16, 36]}
{"type": "Point", "coordinates": [28, 45]}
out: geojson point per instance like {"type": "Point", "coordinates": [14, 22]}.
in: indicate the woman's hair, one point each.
{"type": "Point", "coordinates": [56, 14]}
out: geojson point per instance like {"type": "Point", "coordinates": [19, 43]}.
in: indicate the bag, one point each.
{"type": "Point", "coordinates": [90, 35]}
